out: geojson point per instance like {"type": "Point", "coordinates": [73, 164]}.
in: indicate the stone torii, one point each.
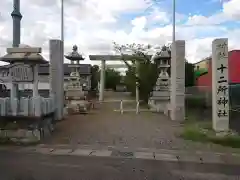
{"type": "Point", "coordinates": [103, 59]}
{"type": "Point", "coordinates": [176, 107]}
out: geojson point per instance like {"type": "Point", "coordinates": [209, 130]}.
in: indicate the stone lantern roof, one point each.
{"type": "Point", "coordinates": [74, 55]}
{"type": "Point", "coordinates": [164, 53]}
{"type": "Point", "coordinates": [25, 54]}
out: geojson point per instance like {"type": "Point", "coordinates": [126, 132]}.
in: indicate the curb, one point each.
{"type": "Point", "coordinates": [143, 153]}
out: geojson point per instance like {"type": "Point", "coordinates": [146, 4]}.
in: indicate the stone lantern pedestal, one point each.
{"type": "Point", "coordinates": [160, 96]}
{"type": "Point", "coordinates": [31, 116]}
{"type": "Point", "coordinates": [74, 94]}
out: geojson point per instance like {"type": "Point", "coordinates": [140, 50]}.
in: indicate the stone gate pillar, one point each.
{"type": "Point", "coordinates": [102, 80]}
{"type": "Point", "coordinates": [177, 92]}
{"type": "Point", "coordinates": [57, 75]}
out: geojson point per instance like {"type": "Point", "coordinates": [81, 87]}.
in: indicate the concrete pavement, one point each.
{"type": "Point", "coordinates": [201, 157]}
{"type": "Point", "coordinates": [22, 163]}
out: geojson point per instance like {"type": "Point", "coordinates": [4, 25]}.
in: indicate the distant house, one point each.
{"type": "Point", "coordinates": [201, 67]}
{"type": "Point", "coordinates": [203, 64]}
{"type": "Point", "coordinates": [205, 79]}
{"type": "Point", "coordinates": [84, 70]}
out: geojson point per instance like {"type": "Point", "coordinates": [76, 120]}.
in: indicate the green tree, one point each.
{"type": "Point", "coordinates": [148, 71]}
{"type": "Point", "coordinates": [189, 74]}
{"type": "Point", "coordinates": [112, 78]}
{"type": "Point", "coordinates": [94, 77]}
{"type": "Point", "coordinates": [139, 62]}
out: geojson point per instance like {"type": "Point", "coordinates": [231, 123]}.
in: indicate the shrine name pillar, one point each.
{"type": "Point", "coordinates": [102, 80]}
{"type": "Point", "coordinates": [220, 86]}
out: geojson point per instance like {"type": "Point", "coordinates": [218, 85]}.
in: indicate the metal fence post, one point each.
{"type": "Point", "coordinates": [121, 107]}
{"type": "Point", "coordinates": [137, 108]}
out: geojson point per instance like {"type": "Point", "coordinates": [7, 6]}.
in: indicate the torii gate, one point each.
{"type": "Point", "coordinates": [177, 92]}
{"type": "Point", "coordinates": [103, 59]}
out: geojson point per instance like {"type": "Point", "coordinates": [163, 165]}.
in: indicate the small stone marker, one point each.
{"type": "Point", "coordinates": [220, 88]}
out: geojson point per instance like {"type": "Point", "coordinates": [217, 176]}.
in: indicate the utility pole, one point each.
{"type": "Point", "coordinates": [16, 16]}
{"type": "Point", "coordinates": [174, 21]}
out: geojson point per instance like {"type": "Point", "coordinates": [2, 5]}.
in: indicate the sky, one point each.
{"type": "Point", "coordinates": [93, 25]}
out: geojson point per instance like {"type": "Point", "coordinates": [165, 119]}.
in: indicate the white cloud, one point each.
{"type": "Point", "coordinates": [232, 9]}
{"type": "Point", "coordinates": [91, 25]}
{"type": "Point", "coordinates": [203, 20]}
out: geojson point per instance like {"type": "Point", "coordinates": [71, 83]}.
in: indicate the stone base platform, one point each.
{"type": "Point", "coordinates": [26, 130]}
{"type": "Point", "coordinates": [79, 107]}
{"type": "Point", "coordinates": [159, 106]}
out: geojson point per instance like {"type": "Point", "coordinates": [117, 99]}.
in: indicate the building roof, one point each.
{"type": "Point", "coordinates": [205, 59]}
{"type": "Point", "coordinates": [85, 69]}
{"type": "Point", "coordinates": [210, 57]}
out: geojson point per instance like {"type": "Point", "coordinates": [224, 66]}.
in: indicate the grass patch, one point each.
{"type": "Point", "coordinates": [202, 132]}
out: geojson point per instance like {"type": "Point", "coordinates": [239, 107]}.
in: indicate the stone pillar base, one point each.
{"type": "Point", "coordinates": [177, 114]}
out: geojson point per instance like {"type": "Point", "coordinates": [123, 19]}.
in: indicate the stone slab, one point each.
{"type": "Point", "coordinates": [165, 157]}
{"type": "Point", "coordinates": [24, 50]}
{"type": "Point", "coordinates": [101, 153]}
{"type": "Point", "coordinates": [61, 152]}
{"type": "Point", "coordinates": [44, 150]}
{"type": "Point", "coordinates": [81, 152]}
{"type": "Point", "coordinates": [144, 155]}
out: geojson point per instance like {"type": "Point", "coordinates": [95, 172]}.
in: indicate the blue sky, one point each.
{"type": "Point", "coordinates": [94, 24]}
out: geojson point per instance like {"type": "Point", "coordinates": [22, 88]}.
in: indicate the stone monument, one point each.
{"type": "Point", "coordinates": [220, 87]}
{"type": "Point", "coordinates": [160, 96]}
{"type": "Point", "coordinates": [74, 94]}
{"type": "Point", "coordinates": [32, 117]}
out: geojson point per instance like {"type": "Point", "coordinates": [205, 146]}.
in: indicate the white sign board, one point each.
{"type": "Point", "coordinates": [21, 73]}
{"type": "Point", "coordinates": [220, 88]}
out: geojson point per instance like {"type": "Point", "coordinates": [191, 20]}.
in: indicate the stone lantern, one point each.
{"type": "Point", "coordinates": [32, 116]}
{"type": "Point", "coordinates": [74, 93]}
{"type": "Point", "coordinates": [24, 63]}
{"type": "Point", "coordinates": [160, 96]}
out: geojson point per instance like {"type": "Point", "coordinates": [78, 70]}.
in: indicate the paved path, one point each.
{"type": "Point", "coordinates": [39, 166]}
{"type": "Point", "coordinates": [104, 127]}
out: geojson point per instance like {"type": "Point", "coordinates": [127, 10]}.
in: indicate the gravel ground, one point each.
{"type": "Point", "coordinates": [104, 127]}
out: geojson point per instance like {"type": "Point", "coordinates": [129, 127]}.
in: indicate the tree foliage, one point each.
{"type": "Point", "coordinates": [95, 77]}
{"type": "Point", "coordinates": [148, 70]}
{"type": "Point", "coordinates": [112, 78]}
{"type": "Point", "coordinates": [189, 74]}
{"type": "Point", "coordinates": [140, 62]}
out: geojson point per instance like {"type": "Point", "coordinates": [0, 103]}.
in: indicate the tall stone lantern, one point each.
{"type": "Point", "coordinates": [74, 93]}
{"type": "Point", "coordinates": [75, 58]}
{"type": "Point", "coordinates": [74, 81]}
{"type": "Point", "coordinates": [24, 63]}
{"type": "Point", "coordinates": [160, 96]}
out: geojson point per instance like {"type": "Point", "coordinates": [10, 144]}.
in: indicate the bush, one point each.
{"type": "Point", "coordinates": [202, 132]}
{"type": "Point", "coordinates": [195, 102]}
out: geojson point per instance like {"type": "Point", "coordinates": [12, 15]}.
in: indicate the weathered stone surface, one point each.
{"type": "Point", "coordinates": [220, 87]}
{"type": "Point", "coordinates": [21, 135]}
{"type": "Point", "coordinates": [56, 75]}
{"type": "Point", "coordinates": [177, 92]}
